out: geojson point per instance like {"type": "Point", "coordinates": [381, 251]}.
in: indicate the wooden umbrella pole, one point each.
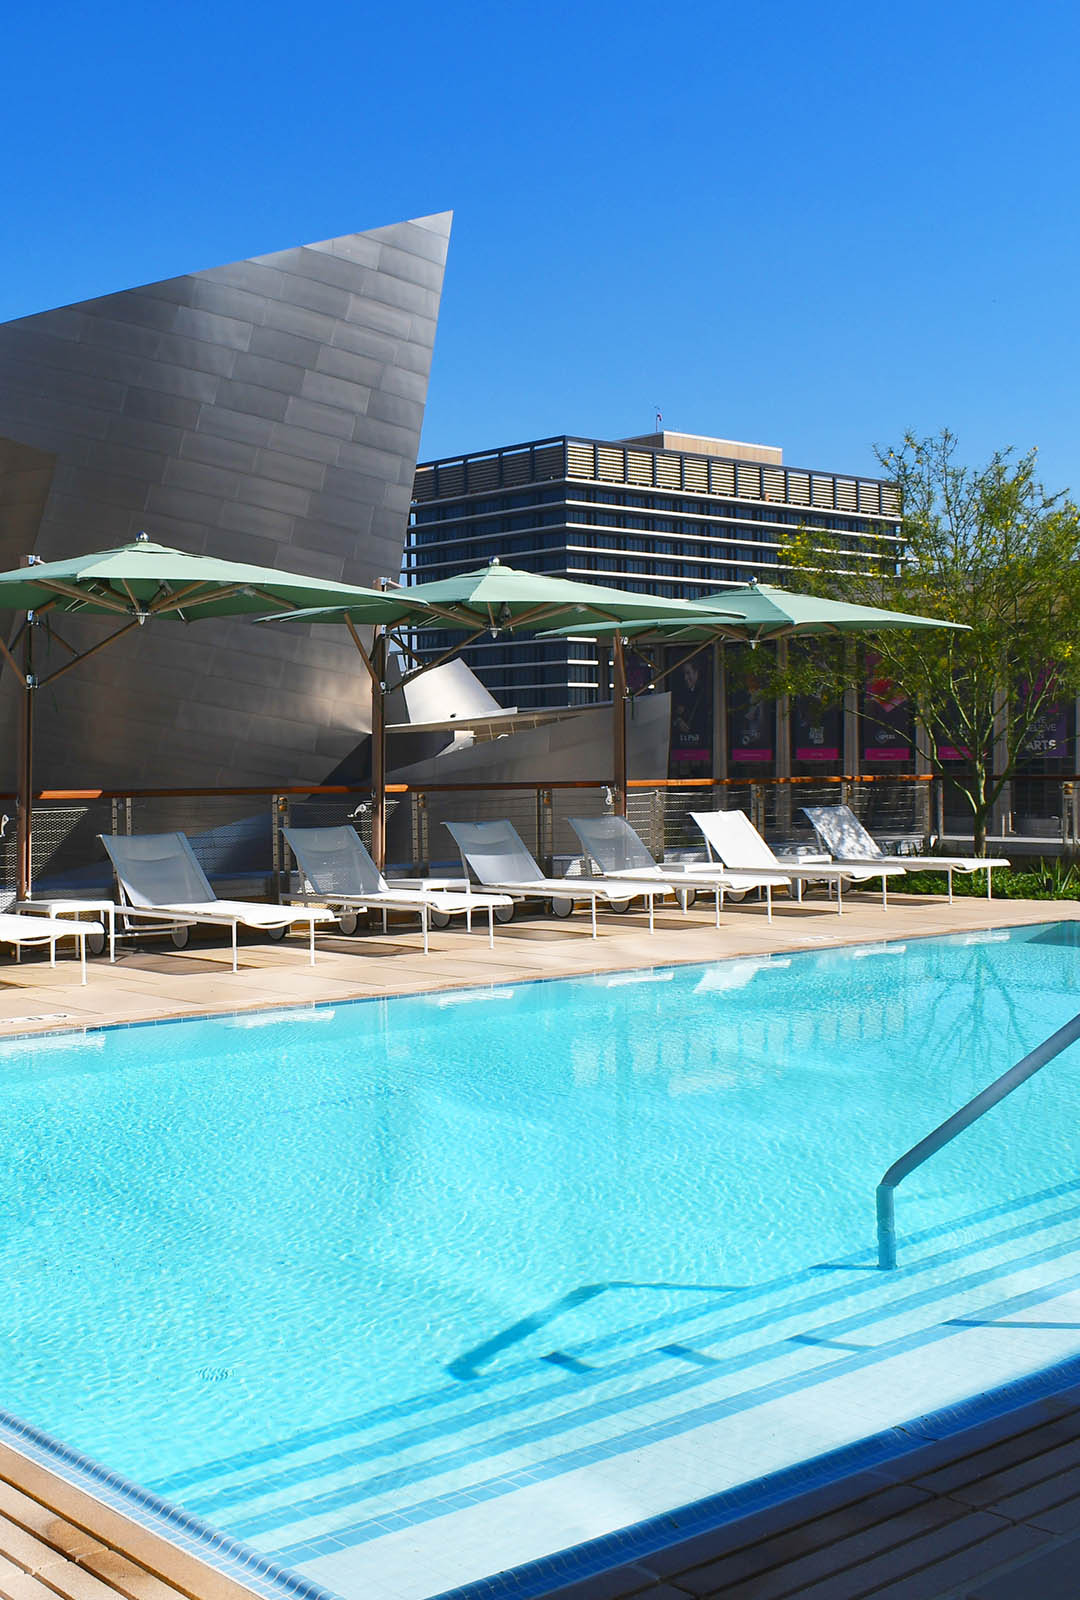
{"type": "Point", "coordinates": [619, 729]}
{"type": "Point", "coordinates": [25, 781]}
{"type": "Point", "coordinates": [378, 751]}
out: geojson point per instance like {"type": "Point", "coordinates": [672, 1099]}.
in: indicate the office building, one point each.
{"type": "Point", "coordinates": [675, 514]}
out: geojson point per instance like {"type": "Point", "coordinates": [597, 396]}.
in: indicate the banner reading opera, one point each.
{"type": "Point", "coordinates": [751, 725]}
{"type": "Point", "coordinates": [689, 679]}
{"type": "Point", "coordinates": [887, 721]}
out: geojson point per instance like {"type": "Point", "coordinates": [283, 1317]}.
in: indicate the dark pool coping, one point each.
{"type": "Point", "coordinates": [606, 1556]}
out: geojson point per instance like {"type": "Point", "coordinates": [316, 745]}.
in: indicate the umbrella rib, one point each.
{"type": "Point", "coordinates": [173, 599]}
{"type": "Point", "coordinates": [454, 650]}
{"type": "Point", "coordinates": [93, 650]}
{"type": "Point", "coordinates": [59, 637]}
{"type": "Point", "coordinates": [365, 658]}
{"type": "Point", "coordinates": [84, 596]}
{"type": "Point", "coordinates": [6, 654]}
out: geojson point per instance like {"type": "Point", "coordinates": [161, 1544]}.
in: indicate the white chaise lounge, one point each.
{"type": "Point", "coordinates": [162, 883]}
{"type": "Point", "coordinates": [497, 856]}
{"type": "Point", "coordinates": [339, 873]}
{"type": "Point", "coordinates": [618, 851]}
{"type": "Point", "coordinates": [31, 931]}
{"type": "Point", "coordinates": [844, 837]}
{"type": "Point", "coordinates": [732, 837]}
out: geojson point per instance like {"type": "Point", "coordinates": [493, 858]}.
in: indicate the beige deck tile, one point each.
{"type": "Point", "coordinates": [15, 1584]}
{"type": "Point", "coordinates": [43, 1523]}
{"type": "Point", "coordinates": [128, 1578]}
{"type": "Point", "coordinates": [150, 982]}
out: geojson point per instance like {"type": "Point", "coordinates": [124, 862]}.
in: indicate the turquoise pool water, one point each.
{"type": "Point", "coordinates": [240, 1256]}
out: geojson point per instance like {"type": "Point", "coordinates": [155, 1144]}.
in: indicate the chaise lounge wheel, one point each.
{"type": "Point", "coordinates": [505, 913]}
{"type": "Point", "coordinates": [735, 895]}
{"type": "Point", "coordinates": [95, 943]}
{"type": "Point", "coordinates": [439, 919]}
{"type": "Point", "coordinates": [562, 907]}
{"type": "Point", "coordinates": [276, 934]}
{"type": "Point", "coordinates": [685, 898]}
{"type": "Point", "coordinates": [179, 937]}
{"type": "Point", "coordinates": [347, 922]}
{"type": "Point", "coordinates": [620, 907]}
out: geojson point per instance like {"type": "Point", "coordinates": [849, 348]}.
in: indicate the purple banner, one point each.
{"type": "Point", "coordinates": [1047, 739]}
{"type": "Point", "coordinates": [690, 682]}
{"type": "Point", "coordinates": [752, 724]}
{"type": "Point", "coordinates": [887, 721]}
{"type": "Point", "coordinates": [815, 731]}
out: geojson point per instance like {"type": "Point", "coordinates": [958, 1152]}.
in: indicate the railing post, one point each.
{"type": "Point", "coordinates": [278, 804]}
{"type": "Point", "coordinates": [946, 1131]}
{"type": "Point", "coordinates": [886, 1227]}
{"type": "Point", "coordinates": [545, 829]}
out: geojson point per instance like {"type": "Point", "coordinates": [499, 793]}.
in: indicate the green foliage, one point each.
{"type": "Point", "coordinates": [1047, 879]}
{"type": "Point", "coordinates": [988, 548]}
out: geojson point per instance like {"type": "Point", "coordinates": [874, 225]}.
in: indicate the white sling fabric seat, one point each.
{"type": "Point", "coordinates": [497, 856]}
{"type": "Point", "coordinates": [734, 839]}
{"type": "Point", "coordinates": [339, 872]}
{"type": "Point", "coordinates": [619, 851]}
{"type": "Point", "coordinates": [844, 837]}
{"type": "Point", "coordinates": [19, 930]}
{"type": "Point", "coordinates": [161, 881]}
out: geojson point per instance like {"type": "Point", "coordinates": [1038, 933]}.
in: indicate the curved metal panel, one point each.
{"type": "Point", "coordinates": [268, 410]}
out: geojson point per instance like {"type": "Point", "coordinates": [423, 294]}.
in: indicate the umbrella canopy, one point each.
{"type": "Point", "coordinates": [497, 598]}
{"type": "Point", "coordinates": [142, 580]}
{"type": "Point", "coordinates": [762, 611]}
{"type": "Point", "coordinates": [133, 584]}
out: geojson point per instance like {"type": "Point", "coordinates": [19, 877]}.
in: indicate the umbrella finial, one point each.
{"type": "Point", "coordinates": [142, 538]}
{"type": "Point", "coordinates": [495, 562]}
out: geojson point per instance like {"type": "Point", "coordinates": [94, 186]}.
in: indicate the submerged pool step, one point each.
{"type": "Point", "coordinates": [630, 1385]}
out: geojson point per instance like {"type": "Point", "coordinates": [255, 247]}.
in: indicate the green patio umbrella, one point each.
{"type": "Point", "coordinates": [135, 584]}
{"type": "Point", "coordinates": [754, 613]}
{"type": "Point", "coordinates": [500, 599]}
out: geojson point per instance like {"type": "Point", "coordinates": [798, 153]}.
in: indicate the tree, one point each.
{"type": "Point", "coordinates": [987, 547]}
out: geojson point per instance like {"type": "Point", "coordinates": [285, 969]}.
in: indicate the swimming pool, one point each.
{"type": "Point", "coordinates": [328, 1278]}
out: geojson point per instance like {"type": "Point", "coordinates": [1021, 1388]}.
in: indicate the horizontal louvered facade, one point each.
{"type": "Point", "coordinates": [672, 522]}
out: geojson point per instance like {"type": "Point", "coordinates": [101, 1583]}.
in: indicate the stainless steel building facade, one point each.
{"type": "Point", "coordinates": [268, 410]}
{"type": "Point", "coordinates": [672, 513]}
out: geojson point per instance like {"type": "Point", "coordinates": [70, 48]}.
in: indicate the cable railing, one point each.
{"type": "Point", "coordinates": [236, 831]}
{"type": "Point", "coordinates": [956, 1124]}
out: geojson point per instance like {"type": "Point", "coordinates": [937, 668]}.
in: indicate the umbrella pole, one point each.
{"type": "Point", "coordinates": [378, 752]}
{"type": "Point", "coordinates": [25, 781]}
{"type": "Point", "coordinates": [618, 798]}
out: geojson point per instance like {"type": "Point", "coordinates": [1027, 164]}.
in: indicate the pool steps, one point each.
{"type": "Point", "coordinates": [536, 1412]}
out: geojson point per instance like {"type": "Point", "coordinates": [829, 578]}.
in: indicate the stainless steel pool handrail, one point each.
{"type": "Point", "coordinates": [948, 1130]}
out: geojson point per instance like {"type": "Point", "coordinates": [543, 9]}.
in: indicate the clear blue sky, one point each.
{"type": "Point", "coordinates": [809, 225]}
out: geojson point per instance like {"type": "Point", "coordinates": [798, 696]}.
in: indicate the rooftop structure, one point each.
{"type": "Point", "coordinates": [672, 513]}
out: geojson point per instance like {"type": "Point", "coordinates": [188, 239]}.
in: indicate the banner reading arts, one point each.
{"type": "Point", "coordinates": [888, 725]}
{"type": "Point", "coordinates": [1047, 737]}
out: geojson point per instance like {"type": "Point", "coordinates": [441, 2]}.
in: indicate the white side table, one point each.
{"type": "Point", "coordinates": [801, 856]}
{"type": "Point", "coordinates": [105, 909]}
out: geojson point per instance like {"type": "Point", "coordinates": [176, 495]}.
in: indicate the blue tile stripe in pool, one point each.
{"type": "Point", "coordinates": [373, 1528]}
{"type": "Point", "coordinates": [213, 1503]}
{"type": "Point", "coordinates": [717, 1511]}
{"type": "Point", "coordinates": [218, 1550]}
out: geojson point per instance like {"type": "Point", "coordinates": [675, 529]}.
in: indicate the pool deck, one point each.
{"type": "Point", "coordinates": [151, 980]}
{"type": "Point", "coordinates": [985, 1514]}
